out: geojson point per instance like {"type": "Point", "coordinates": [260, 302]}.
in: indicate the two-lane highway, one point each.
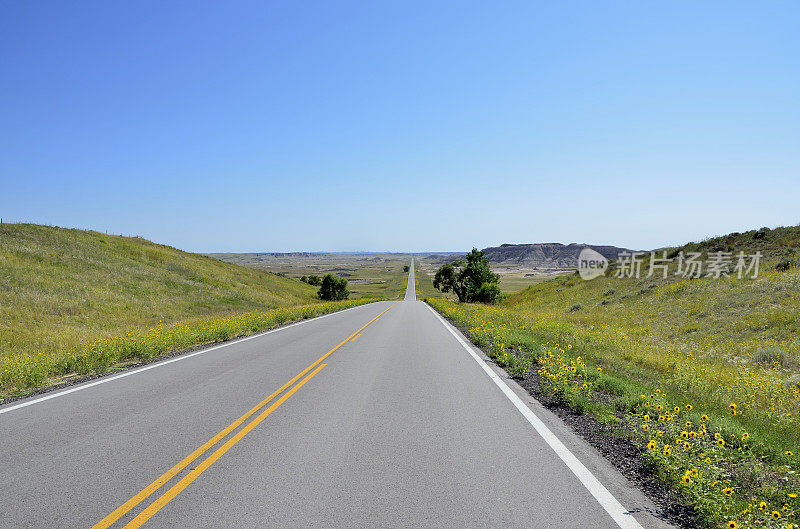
{"type": "Point", "coordinates": [378, 416]}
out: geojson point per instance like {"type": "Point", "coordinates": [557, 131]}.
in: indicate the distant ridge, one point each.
{"type": "Point", "coordinates": [546, 256]}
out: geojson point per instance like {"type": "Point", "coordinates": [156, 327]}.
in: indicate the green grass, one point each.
{"type": "Point", "coordinates": [705, 342]}
{"type": "Point", "coordinates": [21, 373]}
{"type": "Point", "coordinates": [60, 286]}
{"type": "Point", "coordinates": [75, 302]}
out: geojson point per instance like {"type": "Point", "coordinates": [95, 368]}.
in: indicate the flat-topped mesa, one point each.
{"type": "Point", "coordinates": [550, 255]}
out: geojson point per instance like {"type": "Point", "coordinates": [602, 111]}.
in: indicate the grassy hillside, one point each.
{"type": "Point", "coordinates": [75, 303]}
{"type": "Point", "coordinates": [722, 352]}
{"type": "Point", "coordinates": [60, 286]}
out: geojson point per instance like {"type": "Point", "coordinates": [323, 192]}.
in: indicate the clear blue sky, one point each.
{"type": "Point", "coordinates": [277, 126]}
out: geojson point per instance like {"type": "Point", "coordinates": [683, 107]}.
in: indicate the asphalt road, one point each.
{"type": "Point", "coordinates": [399, 426]}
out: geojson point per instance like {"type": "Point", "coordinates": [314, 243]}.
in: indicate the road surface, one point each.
{"type": "Point", "coordinates": [377, 416]}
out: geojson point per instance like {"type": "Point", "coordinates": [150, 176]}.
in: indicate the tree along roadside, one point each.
{"type": "Point", "coordinates": [471, 280]}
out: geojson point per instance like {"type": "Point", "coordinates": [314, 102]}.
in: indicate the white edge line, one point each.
{"type": "Point", "coordinates": [613, 507]}
{"type": "Point", "coordinates": [164, 362]}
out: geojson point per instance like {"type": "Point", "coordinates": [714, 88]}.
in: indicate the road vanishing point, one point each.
{"type": "Point", "coordinates": [382, 415]}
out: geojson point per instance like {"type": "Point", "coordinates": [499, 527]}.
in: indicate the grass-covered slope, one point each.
{"type": "Point", "coordinates": [702, 373]}
{"type": "Point", "coordinates": [60, 286]}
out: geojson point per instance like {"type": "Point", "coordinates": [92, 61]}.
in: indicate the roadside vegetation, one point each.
{"type": "Point", "coordinates": [333, 288]}
{"type": "Point", "coordinates": [424, 283]}
{"type": "Point", "coordinates": [313, 280]}
{"type": "Point", "coordinates": [701, 374]}
{"type": "Point", "coordinates": [19, 374]}
{"type": "Point", "coordinates": [471, 279]}
{"type": "Point", "coordinates": [81, 302]}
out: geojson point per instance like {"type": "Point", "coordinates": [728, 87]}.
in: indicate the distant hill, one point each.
{"type": "Point", "coordinates": [545, 256]}
{"type": "Point", "coordinates": [58, 286]}
{"type": "Point", "coordinates": [252, 258]}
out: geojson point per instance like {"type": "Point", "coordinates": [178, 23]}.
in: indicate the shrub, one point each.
{"type": "Point", "coordinates": [333, 288]}
{"type": "Point", "coordinates": [761, 234]}
{"type": "Point", "coordinates": [784, 265]}
{"type": "Point", "coordinates": [314, 281]}
{"type": "Point", "coordinates": [575, 307]}
{"type": "Point", "coordinates": [487, 293]}
{"type": "Point", "coordinates": [771, 356]}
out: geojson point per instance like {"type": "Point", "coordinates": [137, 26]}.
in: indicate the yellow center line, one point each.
{"type": "Point", "coordinates": [123, 509]}
{"type": "Point", "coordinates": [202, 467]}
{"type": "Point", "coordinates": [354, 338]}
{"type": "Point", "coordinates": [120, 511]}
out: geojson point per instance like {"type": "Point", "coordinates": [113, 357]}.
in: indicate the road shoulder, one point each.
{"type": "Point", "coordinates": [628, 494]}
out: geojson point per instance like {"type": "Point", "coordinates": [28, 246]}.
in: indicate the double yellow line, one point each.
{"type": "Point", "coordinates": [184, 482]}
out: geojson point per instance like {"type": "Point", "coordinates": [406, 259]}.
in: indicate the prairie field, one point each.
{"type": "Point", "coordinates": [702, 373]}
{"type": "Point", "coordinates": [75, 301]}
{"type": "Point", "coordinates": [368, 275]}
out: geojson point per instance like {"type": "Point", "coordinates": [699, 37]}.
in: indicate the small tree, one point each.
{"type": "Point", "coordinates": [304, 279]}
{"type": "Point", "coordinates": [406, 268]}
{"type": "Point", "coordinates": [333, 288]}
{"type": "Point", "coordinates": [314, 281]}
{"type": "Point", "coordinates": [471, 280]}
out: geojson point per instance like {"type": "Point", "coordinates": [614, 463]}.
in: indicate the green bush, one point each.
{"type": "Point", "coordinates": [471, 280]}
{"type": "Point", "coordinates": [773, 356]}
{"type": "Point", "coordinates": [487, 293]}
{"type": "Point", "coordinates": [333, 288]}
